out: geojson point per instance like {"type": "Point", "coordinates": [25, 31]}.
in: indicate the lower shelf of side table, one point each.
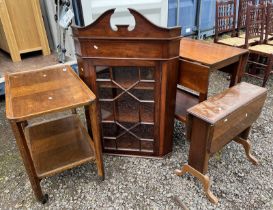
{"type": "Point", "coordinates": [58, 145]}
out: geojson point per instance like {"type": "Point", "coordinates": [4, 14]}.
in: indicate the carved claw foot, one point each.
{"type": "Point", "coordinates": [204, 179]}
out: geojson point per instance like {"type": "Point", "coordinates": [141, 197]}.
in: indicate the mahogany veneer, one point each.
{"type": "Point", "coordinates": [134, 72]}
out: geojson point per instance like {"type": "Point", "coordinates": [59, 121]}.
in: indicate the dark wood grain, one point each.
{"type": "Point", "coordinates": [136, 114]}
{"type": "Point", "coordinates": [216, 121]}
{"type": "Point", "coordinates": [213, 55]}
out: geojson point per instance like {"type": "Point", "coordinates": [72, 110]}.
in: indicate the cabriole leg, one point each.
{"type": "Point", "coordinates": [247, 146]}
{"type": "Point", "coordinates": [204, 179]}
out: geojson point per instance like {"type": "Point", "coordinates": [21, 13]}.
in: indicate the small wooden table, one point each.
{"type": "Point", "coordinates": [217, 121]}
{"type": "Point", "coordinates": [56, 145]}
{"type": "Point", "coordinates": [214, 56]}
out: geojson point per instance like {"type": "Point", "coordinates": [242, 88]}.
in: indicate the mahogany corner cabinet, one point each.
{"type": "Point", "coordinates": [133, 71]}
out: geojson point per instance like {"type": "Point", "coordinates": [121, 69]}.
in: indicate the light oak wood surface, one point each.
{"type": "Point", "coordinates": [22, 28]}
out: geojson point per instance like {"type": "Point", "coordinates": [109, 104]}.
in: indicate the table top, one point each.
{"type": "Point", "coordinates": [33, 93]}
{"type": "Point", "coordinates": [209, 54]}
{"type": "Point", "coordinates": [223, 104]}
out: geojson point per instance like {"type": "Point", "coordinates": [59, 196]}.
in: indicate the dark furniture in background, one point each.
{"type": "Point", "coordinates": [261, 55]}
{"type": "Point", "coordinates": [269, 24]}
{"type": "Point", "coordinates": [214, 123]}
{"type": "Point", "coordinates": [225, 21]}
{"type": "Point", "coordinates": [133, 70]}
{"type": "Point", "coordinates": [55, 145]}
{"type": "Point", "coordinates": [242, 14]}
{"type": "Point", "coordinates": [226, 17]}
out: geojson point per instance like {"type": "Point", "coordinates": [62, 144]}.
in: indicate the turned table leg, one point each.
{"type": "Point", "coordinates": [17, 128]}
{"type": "Point", "coordinates": [93, 114]}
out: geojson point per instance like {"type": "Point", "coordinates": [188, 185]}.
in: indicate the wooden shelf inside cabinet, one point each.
{"type": "Point", "coordinates": [128, 117]}
{"type": "Point", "coordinates": [58, 145]}
{"type": "Point", "coordinates": [142, 84]}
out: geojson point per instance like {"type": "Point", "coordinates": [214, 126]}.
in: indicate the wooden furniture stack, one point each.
{"type": "Point", "coordinates": [269, 24]}
{"type": "Point", "coordinates": [133, 70]}
{"type": "Point", "coordinates": [217, 121]}
{"type": "Point", "coordinates": [257, 21]}
{"type": "Point", "coordinates": [261, 55]}
{"type": "Point", "coordinates": [52, 146]}
{"type": "Point", "coordinates": [22, 28]}
{"type": "Point", "coordinates": [226, 21]}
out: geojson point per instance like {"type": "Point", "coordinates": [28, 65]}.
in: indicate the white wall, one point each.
{"type": "Point", "coordinates": [154, 10]}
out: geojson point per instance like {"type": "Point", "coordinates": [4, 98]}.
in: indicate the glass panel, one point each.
{"type": "Point", "coordinates": [111, 130]}
{"type": "Point", "coordinates": [144, 131]}
{"type": "Point", "coordinates": [147, 112]}
{"type": "Point", "coordinates": [128, 142]}
{"type": "Point", "coordinates": [107, 90]}
{"type": "Point", "coordinates": [125, 76]}
{"type": "Point", "coordinates": [143, 91]}
{"type": "Point", "coordinates": [103, 72]}
{"type": "Point", "coordinates": [107, 112]}
{"type": "Point", "coordinates": [147, 73]}
{"type": "Point", "coordinates": [147, 146]}
{"type": "Point", "coordinates": [127, 96]}
{"type": "Point", "coordinates": [109, 144]}
{"type": "Point", "coordinates": [127, 109]}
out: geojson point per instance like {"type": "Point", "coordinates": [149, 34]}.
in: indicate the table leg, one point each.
{"type": "Point", "coordinates": [198, 154]}
{"type": "Point", "coordinates": [243, 140]}
{"type": "Point", "coordinates": [74, 111]}
{"type": "Point", "coordinates": [203, 97]}
{"type": "Point", "coordinates": [17, 128]}
{"type": "Point", "coordinates": [93, 114]}
{"type": "Point", "coordinates": [238, 70]}
{"type": "Point", "coordinates": [88, 121]}
{"type": "Point", "coordinates": [204, 179]}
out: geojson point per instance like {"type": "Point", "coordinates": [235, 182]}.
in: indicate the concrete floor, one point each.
{"type": "Point", "coordinates": [30, 61]}
{"type": "Point", "coordinates": [139, 183]}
